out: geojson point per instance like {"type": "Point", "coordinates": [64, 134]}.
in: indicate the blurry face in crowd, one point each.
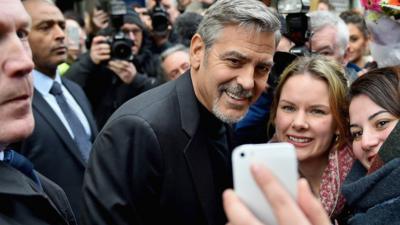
{"type": "Point", "coordinates": [176, 64]}
{"type": "Point", "coordinates": [233, 72]}
{"type": "Point", "coordinates": [136, 35]}
{"type": "Point", "coordinates": [322, 7]}
{"type": "Point", "coordinates": [358, 43]}
{"type": "Point", "coordinates": [324, 42]}
{"type": "Point", "coordinates": [47, 38]}
{"type": "Point", "coordinates": [75, 39]}
{"type": "Point", "coordinates": [304, 118]}
{"type": "Point", "coordinates": [370, 125]}
{"type": "Point", "coordinates": [16, 89]}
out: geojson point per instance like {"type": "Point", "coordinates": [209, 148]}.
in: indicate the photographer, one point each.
{"type": "Point", "coordinates": [110, 81]}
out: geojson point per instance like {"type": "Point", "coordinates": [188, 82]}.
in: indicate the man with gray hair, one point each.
{"type": "Point", "coordinates": [174, 61]}
{"type": "Point", "coordinates": [330, 37]}
{"type": "Point", "coordinates": [164, 156]}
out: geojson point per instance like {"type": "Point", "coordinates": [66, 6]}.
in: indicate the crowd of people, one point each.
{"type": "Point", "coordinates": [132, 119]}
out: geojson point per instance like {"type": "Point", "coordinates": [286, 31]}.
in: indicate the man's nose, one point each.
{"type": "Point", "coordinates": [132, 35]}
{"type": "Point", "coordinates": [59, 32]}
{"type": "Point", "coordinates": [18, 57]}
{"type": "Point", "coordinates": [246, 78]}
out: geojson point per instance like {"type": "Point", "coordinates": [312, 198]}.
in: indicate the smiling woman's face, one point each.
{"type": "Point", "coordinates": [370, 125]}
{"type": "Point", "coordinates": [304, 118]}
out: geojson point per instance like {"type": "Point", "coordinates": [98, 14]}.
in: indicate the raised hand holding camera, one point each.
{"type": "Point", "coordinates": [125, 70]}
{"type": "Point", "coordinates": [100, 50]}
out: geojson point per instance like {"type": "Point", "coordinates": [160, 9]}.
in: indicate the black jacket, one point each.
{"type": "Point", "coordinates": [21, 203]}
{"type": "Point", "coordinates": [150, 163]}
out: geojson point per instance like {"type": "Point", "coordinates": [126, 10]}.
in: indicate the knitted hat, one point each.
{"type": "Point", "coordinates": [133, 18]}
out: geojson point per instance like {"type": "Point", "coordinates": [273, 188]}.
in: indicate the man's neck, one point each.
{"type": "Point", "coordinates": [50, 72]}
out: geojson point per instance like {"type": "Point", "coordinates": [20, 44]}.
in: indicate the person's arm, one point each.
{"type": "Point", "coordinates": [307, 211]}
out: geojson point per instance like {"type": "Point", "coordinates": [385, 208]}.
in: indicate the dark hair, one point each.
{"type": "Point", "coordinates": [186, 25]}
{"type": "Point", "coordinates": [382, 86]}
{"type": "Point", "coordinates": [356, 19]}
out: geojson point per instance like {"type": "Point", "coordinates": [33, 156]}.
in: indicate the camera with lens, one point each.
{"type": "Point", "coordinates": [120, 43]}
{"type": "Point", "coordinates": [159, 19]}
{"type": "Point", "coordinates": [297, 24]}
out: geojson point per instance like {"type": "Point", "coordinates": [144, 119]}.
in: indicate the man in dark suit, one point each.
{"type": "Point", "coordinates": [64, 126]}
{"type": "Point", "coordinates": [26, 197]}
{"type": "Point", "coordinates": [164, 156]}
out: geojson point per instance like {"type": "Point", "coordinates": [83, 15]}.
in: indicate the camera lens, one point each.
{"type": "Point", "coordinates": [242, 154]}
{"type": "Point", "coordinates": [121, 50]}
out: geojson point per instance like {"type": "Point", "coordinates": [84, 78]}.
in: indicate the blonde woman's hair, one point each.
{"type": "Point", "coordinates": [332, 74]}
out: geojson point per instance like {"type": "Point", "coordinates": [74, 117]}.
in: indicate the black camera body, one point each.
{"type": "Point", "coordinates": [121, 46]}
{"type": "Point", "coordinates": [298, 32]}
{"type": "Point", "coordinates": [159, 19]}
{"type": "Point", "coordinates": [120, 43]}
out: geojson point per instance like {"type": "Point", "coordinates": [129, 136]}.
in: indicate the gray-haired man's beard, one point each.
{"type": "Point", "coordinates": [237, 91]}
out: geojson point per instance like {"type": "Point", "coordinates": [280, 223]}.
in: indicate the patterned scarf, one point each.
{"type": "Point", "coordinates": [339, 164]}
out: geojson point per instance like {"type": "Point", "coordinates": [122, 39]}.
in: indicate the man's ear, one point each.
{"type": "Point", "coordinates": [197, 49]}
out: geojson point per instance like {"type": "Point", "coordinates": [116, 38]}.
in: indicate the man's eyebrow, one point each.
{"type": "Point", "coordinates": [24, 21]}
{"type": "Point", "coordinates": [323, 48]}
{"type": "Point", "coordinates": [49, 21]}
{"type": "Point", "coordinates": [234, 54]}
{"type": "Point", "coordinates": [268, 63]}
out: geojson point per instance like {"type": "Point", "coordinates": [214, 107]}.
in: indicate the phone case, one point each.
{"type": "Point", "coordinates": [280, 158]}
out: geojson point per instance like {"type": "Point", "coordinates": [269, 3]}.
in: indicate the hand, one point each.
{"type": "Point", "coordinates": [125, 70]}
{"type": "Point", "coordinates": [307, 211]}
{"type": "Point", "coordinates": [100, 50]}
{"type": "Point", "coordinates": [100, 19]}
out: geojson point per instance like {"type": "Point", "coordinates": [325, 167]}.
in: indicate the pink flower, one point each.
{"type": "Point", "coordinates": [372, 5]}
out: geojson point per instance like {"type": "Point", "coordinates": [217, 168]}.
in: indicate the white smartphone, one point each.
{"type": "Point", "coordinates": [280, 158]}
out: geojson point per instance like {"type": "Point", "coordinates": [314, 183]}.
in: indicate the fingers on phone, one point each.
{"type": "Point", "coordinates": [310, 205]}
{"type": "Point", "coordinates": [280, 200]}
{"type": "Point", "coordinates": [236, 211]}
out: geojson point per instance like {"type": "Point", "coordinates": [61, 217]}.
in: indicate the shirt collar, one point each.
{"type": "Point", "coordinates": [43, 83]}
